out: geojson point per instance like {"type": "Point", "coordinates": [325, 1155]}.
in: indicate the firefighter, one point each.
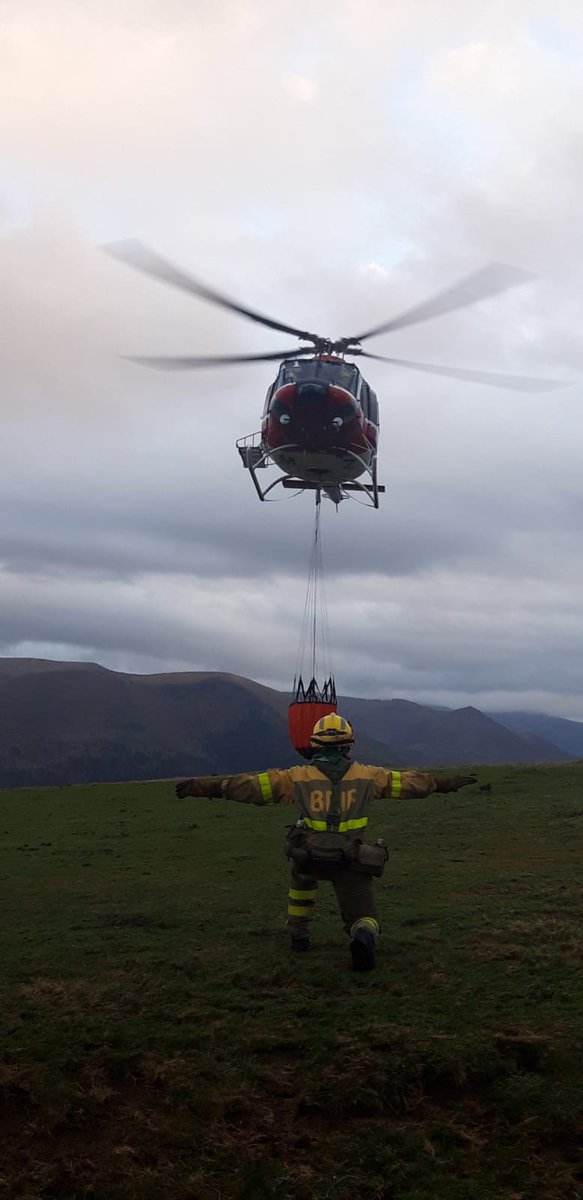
{"type": "Point", "coordinates": [334, 797]}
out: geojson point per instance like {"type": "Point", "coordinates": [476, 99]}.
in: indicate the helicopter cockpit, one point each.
{"type": "Point", "coordinates": [343, 374]}
{"type": "Point", "coordinates": [312, 370]}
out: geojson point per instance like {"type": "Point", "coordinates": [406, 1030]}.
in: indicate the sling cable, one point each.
{"type": "Point", "coordinates": [312, 701]}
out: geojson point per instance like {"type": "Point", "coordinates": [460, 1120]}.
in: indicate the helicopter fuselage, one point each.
{"type": "Point", "coordinates": [320, 420]}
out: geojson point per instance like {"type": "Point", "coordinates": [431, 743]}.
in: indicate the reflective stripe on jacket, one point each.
{"type": "Point", "coordinates": [312, 791]}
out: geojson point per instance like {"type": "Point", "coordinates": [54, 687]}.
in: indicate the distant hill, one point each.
{"type": "Point", "coordinates": [427, 735]}
{"type": "Point", "coordinates": [567, 735]}
{"type": "Point", "coordinates": [79, 722]}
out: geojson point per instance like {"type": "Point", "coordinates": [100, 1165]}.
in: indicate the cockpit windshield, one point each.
{"type": "Point", "coordinates": [344, 375]}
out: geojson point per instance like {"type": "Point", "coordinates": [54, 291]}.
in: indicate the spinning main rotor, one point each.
{"type": "Point", "coordinates": [490, 280]}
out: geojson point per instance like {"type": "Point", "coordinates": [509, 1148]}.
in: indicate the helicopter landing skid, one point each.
{"type": "Point", "coordinates": [254, 459]}
{"type": "Point", "coordinates": [371, 490]}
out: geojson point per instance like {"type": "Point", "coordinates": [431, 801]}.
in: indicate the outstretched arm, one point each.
{"type": "Point", "coordinates": [266, 787]}
{"type": "Point", "coordinates": [408, 784]}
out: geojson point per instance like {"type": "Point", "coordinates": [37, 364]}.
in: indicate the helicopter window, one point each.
{"type": "Point", "coordinates": [295, 371]}
{"type": "Point", "coordinates": [370, 405]}
{"type": "Point", "coordinates": [343, 374]}
{"type": "Point", "coordinates": [374, 408]}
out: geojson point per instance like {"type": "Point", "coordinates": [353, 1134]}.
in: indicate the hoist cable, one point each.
{"type": "Point", "coordinates": [315, 648]}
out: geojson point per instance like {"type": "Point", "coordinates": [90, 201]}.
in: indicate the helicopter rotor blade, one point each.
{"type": "Point", "coordinates": [488, 281]}
{"type": "Point", "coordinates": [137, 255]}
{"type": "Point", "coordinates": [186, 363]}
{"type": "Point", "coordinates": [518, 383]}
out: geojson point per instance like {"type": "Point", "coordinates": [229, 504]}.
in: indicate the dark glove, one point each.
{"type": "Point", "coordinates": [205, 785]}
{"type": "Point", "coordinates": [185, 788]}
{"type": "Point", "coordinates": [452, 785]}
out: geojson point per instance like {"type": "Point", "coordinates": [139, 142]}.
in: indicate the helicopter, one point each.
{"type": "Point", "coordinates": [320, 422]}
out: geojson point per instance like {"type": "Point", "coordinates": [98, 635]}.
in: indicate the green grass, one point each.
{"type": "Point", "coordinates": [160, 1042]}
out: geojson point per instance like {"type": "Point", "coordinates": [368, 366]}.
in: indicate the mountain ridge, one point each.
{"type": "Point", "coordinates": [74, 722]}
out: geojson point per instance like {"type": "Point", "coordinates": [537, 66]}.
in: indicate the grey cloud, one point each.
{"type": "Point", "coordinates": [129, 532]}
{"type": "Point", "coordinates": [427, 637]}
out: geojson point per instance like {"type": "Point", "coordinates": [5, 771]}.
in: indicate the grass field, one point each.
{"type": "Point", "coordinates": [160, 1042]}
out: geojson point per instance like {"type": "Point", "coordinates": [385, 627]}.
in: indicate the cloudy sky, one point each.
{"type": "Point", "coordinates": [330, 163]}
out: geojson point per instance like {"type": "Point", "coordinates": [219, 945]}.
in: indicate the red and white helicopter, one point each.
{"type": "Point", "coordinates": [320, 421]}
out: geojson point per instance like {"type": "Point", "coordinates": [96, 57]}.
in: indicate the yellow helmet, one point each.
{"type": "Point", "coordinates": [332, 730]}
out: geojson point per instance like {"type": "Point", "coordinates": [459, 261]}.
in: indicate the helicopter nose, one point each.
{"type": "Point", "coordinates": [311, 392]}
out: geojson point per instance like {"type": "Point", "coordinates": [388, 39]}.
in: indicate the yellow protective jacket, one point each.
{"type": "Point", "coordinates": [318, 799]}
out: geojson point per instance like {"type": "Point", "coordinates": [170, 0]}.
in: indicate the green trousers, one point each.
{"type": "Point", "coordinates": [354, 894]}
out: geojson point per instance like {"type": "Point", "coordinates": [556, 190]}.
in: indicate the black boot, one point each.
{"type": "Point", "coordinates": [362, 949]}
{"type": "Point", "coordinates": [301, 943]}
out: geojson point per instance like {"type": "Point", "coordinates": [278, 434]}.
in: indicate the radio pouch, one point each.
{"type": "Point", "coordinates": [370, 859]}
